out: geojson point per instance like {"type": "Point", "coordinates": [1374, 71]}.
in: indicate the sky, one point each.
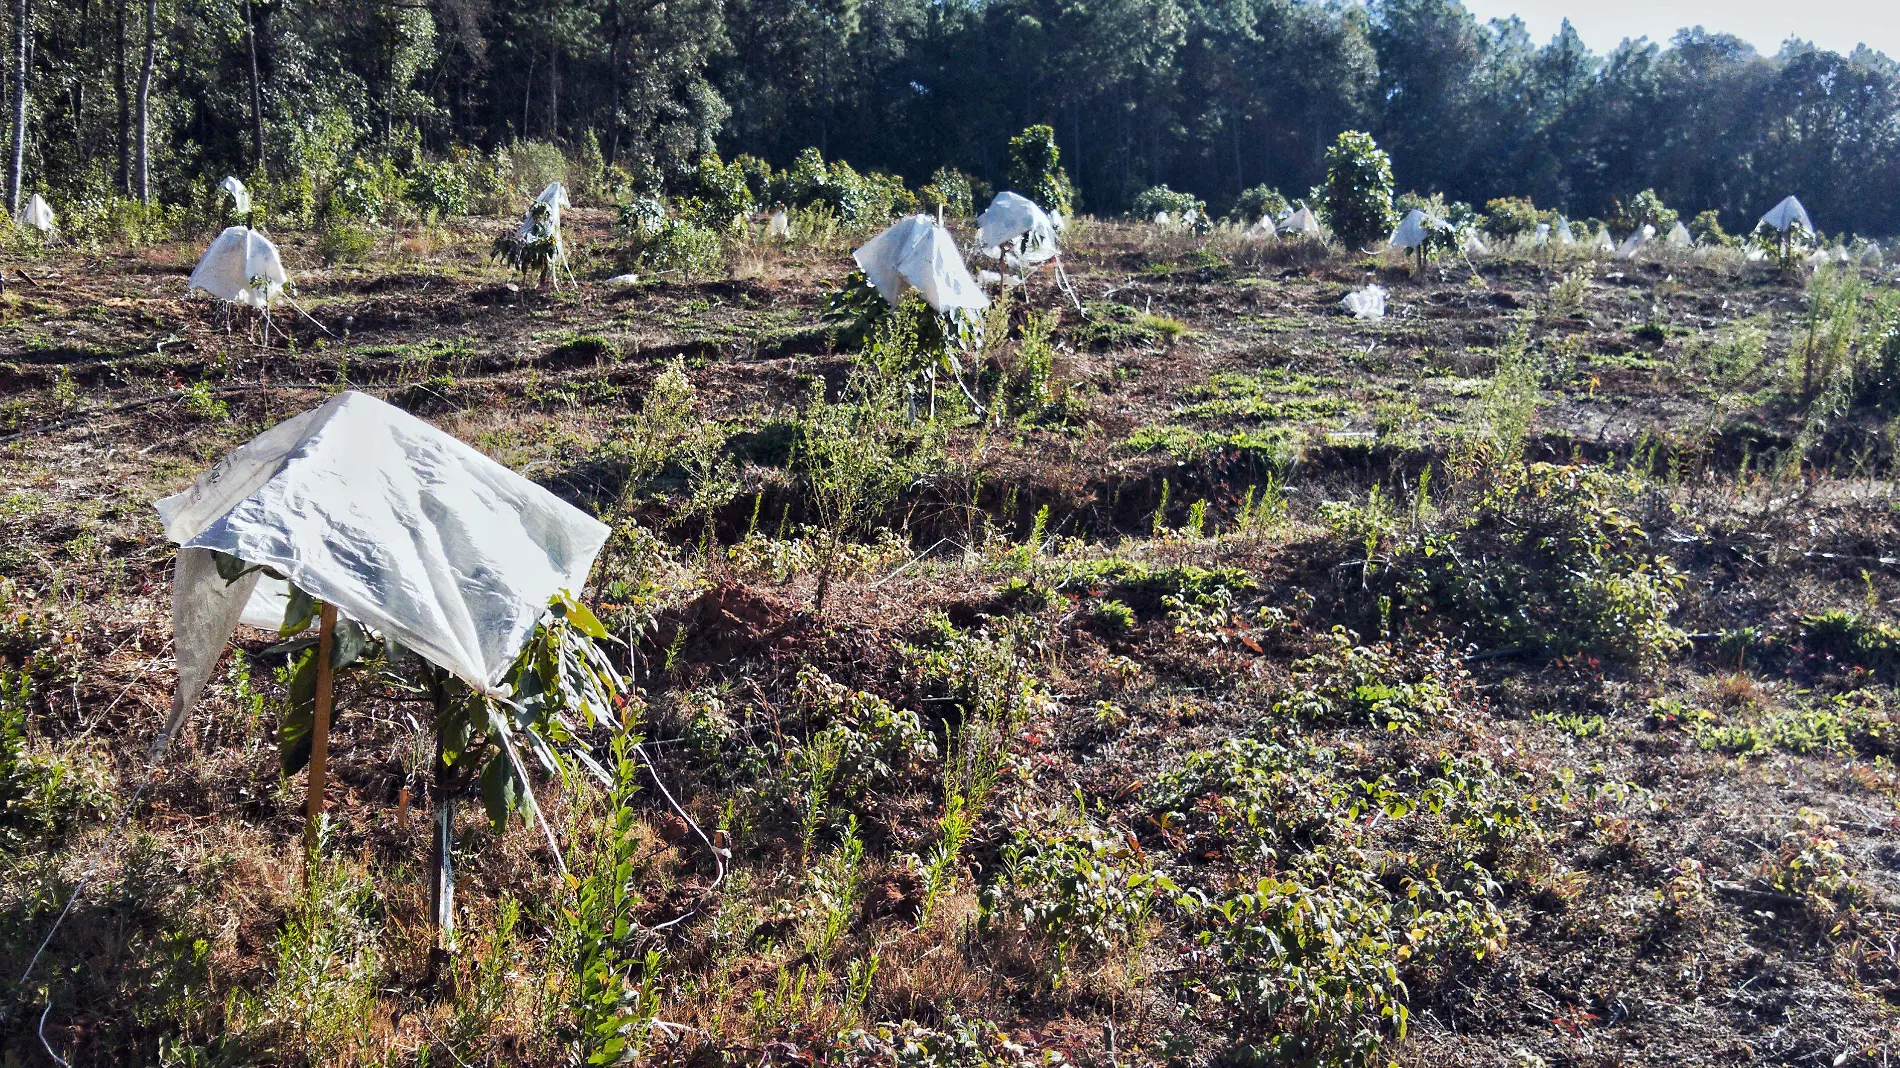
{"type": "Point", "coordinates": [1834, 24]}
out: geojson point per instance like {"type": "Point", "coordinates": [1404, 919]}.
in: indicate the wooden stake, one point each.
{"type": "Point", "coordinates": [320, 732]}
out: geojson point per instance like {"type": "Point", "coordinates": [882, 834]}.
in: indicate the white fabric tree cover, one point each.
{"type": "Point", "coordinates": [1301, 222]}
{"type": "Point", "coordinates": [1162, 218]}
{"type": "Point", "coordinates": [780, 226]}
{"type": "Point", "coordinates": [402, 527]}
{"type": "Point", "coordinates": [1542, 236]}
{"type": "Point", "coordinates": [1564, 236]}
{"type": "Point", "coordinates": [1414, 229]}
{"type": "Point", "coordinates": [240, 196]}
{"type": "Point", "coordinates": [237, 256]}
{"type": "Point", "coordinates": [1261, 230]}
{"type": "Point", "coordinates": [1474, 245]}
{"type": "Point", "coordinates": [1679, 236]}
{"type": "Point", "coordinates": [1011, 216]}
{"type": "Point", "coordinates": [1635, 242]}
{"type": "Point", "coordinates": [1367, 303]}
{"type": "Point", "coordinates": [1603, 242]}
{"type": "Point", "coordinates": [38, 214]}
{"type": "Point", "coordinates": [1785, 214]}
{"type": "Point", "coordinates": [918, 252]}
{"type": "Point", "coordinates": [555, 197]}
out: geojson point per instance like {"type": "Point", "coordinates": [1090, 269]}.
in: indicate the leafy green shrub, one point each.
{"type": "Point", "coordinates": [41, 794]}
{"type": "Point", "coordinates": [440, 189]}
{"type": "Point", "coordinates": [761, 180]}
{"type": "Point", "coordinates": [1262, 201]}
{"type": "Point", "coordinates": [722, 198]}
{"type": "Point", "coordinates": [344, 242]}
{"type": "Point", "coordinates": [1706, 228]}
{"type": "Point", "coordinates": [1851, 640]}
{"type": "Point", "coordinates": [362, 190]}
{"type": "Point", "coordinates": [1546, 559]}
{"type": "Point", "coordinates": [1035, 169]}
{"type": "Point", "coordinates": [1346, 682]}
{"type": "Point", "coordinates": [1358, 196]}
{"type": "Point", "coordinates": [1077, 894]}
{"type": "Point", "coordinates": [1156, 199]}
{"type": "Point", "coordinates": [117, 220]}
{"type": "Point", "coordinates": [1643, 209]}
{"type": "Point", "coordinates": [859, 202]}
{"type": "Point", "coordinates": [948, 188]}
{"type": "Point", "coordinates": [679, 245]}
{"type": "Point", "coordinates": [1250, 799]}
{"type": "Point", "coordinates": [534, 164]}
{"type": "Point", "coordinates": [1509, 217]}
{"type": "Point", "coordinates": [1148, 589]}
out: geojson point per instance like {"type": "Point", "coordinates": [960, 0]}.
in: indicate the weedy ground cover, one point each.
{"type": "Point", "coordinates": [1510, 682]}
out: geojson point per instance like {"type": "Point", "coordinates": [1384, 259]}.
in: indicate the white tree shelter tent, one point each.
{"type": "Point", "coordinates": [1679, 237]}
{"type": "Point", "coordinates": [240, 196]}
{"type": "Point", "coordinates": [1261, 230]}
{"type": "Point", "coordinates": [392, 524]}
{"type": "Point", "coordinates": [1564, 236]}
{"type": "Point", "coordinates": [1015, 229]}
{"type": "Point", "coordinates": [396, 524]}
{"type": "Point", "coordinates": [1014, 218]}
{"type": "Point", "coordinates": [1634, 242]}
{"type": "Point", "coordinates": [37, 214]}
{"type": "Point", "coordinates": [241, 267]}
{"type": "Point", "coordinates": [1415, 229]}
{"type": "Point", "coordinates": [555, 197]}
{"type": "Point", "coordinates": [1301, 222]}
{"type": "Point", "coordinates": [1787, 216]}
{"type": "Point", "coordinates": [917, 252]}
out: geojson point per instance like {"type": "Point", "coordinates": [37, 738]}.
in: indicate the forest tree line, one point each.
{"type": "Point", "coordinates": [148, 98]}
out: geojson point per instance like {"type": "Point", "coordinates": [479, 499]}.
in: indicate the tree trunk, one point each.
{"type": "Point", "coordinates": [442, 841]}
{"type": "Point", "coordinates": [613, 98]}
{"type": "Point", "coordinates": [22, 20]}
{"type": "Point", "coordinates": [554, 94]}
{"type": "Point", "coordinates": [257, 90]}
{"type": "Point", "coordinates": [125, 106]}
{"type": "Point", "coordinates": [145, 101]}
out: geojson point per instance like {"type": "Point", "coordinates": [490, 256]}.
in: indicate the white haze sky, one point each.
{"type": "Point", "coordinates": [1833, 24]}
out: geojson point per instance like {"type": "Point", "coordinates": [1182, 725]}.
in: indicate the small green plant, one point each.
{"type": "Point", "coordinates": [1077, 893]}
{"type": "Point", "coordinates": [343, 242]}
{"type": "Point", "coordinates": [1114, 615]}
{"type": "Point", "coordinates": [609, 994]}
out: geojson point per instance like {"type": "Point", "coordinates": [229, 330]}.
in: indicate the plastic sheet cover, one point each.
{"type": "Point", "coordinates": [1786, 214]}
{"type": "Point", "coordinates": [1367, 303]}
{"type": "Point", "coordinates": [918, 252]}
{"type": "Point", "coordinates": [1634, 242]}
{"type": "Point", "coordinates": [1011, 216]}
{"type": "Point", "coordinates": [38, 214]}
{"type": "Point", "coordinates": [555, 197]}
{"type": "Point", "coordinates": [1679, 237]}
{"type": "Point", "coordinates": [1414, 229]}
{"type": "Point", "coordinates": [240, 196]}
{"type": "Point", "coordinates": [1260, 230]}
{"type": "Point", "coordinates": [239, 255]}
{"type": "Point", "coordinates": [1300, 222]}
{"type": "Point", "coordinates": [402, 527]}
